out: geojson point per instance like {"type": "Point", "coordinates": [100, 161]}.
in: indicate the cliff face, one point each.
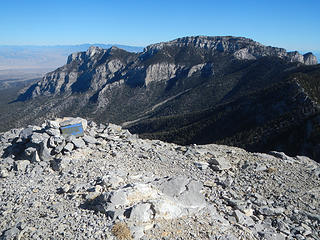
{"type": "Point", "coordinates": [84, 71]}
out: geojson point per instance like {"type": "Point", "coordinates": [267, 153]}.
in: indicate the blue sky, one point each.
{"type": "Point", "coordinates": [290, 24]}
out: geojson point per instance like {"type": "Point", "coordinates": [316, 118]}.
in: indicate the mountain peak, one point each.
{"type": "Point", "coordinates": [92, 50]}
{"type": "Point", "coordinates": [242, 48]}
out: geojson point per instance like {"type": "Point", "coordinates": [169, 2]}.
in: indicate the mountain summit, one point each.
{"type": "Point", "coordinates": [110, 184]}
{"type": "Point", "coordinates": [240, 47]}
{"type": "Point", "coordinates": [229, 90]}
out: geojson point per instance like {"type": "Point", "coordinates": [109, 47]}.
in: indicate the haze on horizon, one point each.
{"type": "Point", "coordinates": [288, 24]}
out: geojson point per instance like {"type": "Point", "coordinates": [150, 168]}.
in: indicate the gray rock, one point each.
{"type": "Point", "coordinates": [125, 181]}
{"type": "Point", "coordinates": [69, 147]}
{"type": "Point", "coordinates": [174, 186]}
{"type": "Point", "coordinates": [45, 154]}
{"type": "Point", "coordinates": [272, 236]}
{"type": "Point", "coordinates": [78, 143]}
{"type": "Point", "coordinates": [7, 163]}
{"type": "Point", "coordinates": [282, 156]}
{"type": "Point", "coordinates": [26, 133]}
{"type": "Point", "coordinates": [118, 198]}
{"type": "Point", "coordinates": [60, 147]}
{"type": "Point", "coordinates": [89, 139]}
{"type": "Point", "coordinates": [267, 211]}
{"type": "Point", "coordinates": [111, 181]}
{"type": "Point", "coordinates": [52, 143]}
{"type": "Point", "coordinates": [53, 132]}
{"type": "Point", "coordinates": [53, 124]}
{"type": "Point", "coordinates": [192, 196]}
{"type": "Point", "coordinates": [314, 217]}
{"type": "Point", "coordinates": [220, 164]}
{"type": "Point", "coordinates": [37, 138]}
{"type": "Point", "coordinates": [69, 138]}
{"type": "Point", "coordinates": [261, 168]}
{"type": "Point", "coordinates": [137, 232]}
{"type": "Point", "coordinates": [310, 59]}
{"type": "Point", "coordinates": [141, 213]}
{"type": "Point", "coordinates": [243, 219]}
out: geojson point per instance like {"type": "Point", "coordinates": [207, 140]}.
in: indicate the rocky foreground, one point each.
{"type": "Point", "coordinates": [109, 184]}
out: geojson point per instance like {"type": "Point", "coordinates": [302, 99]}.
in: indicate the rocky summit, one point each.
{"type": "Point", "coordinates": [110, 184]}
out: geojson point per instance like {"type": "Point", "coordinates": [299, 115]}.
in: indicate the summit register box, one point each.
{"type": "Point", "coordinates": [75, 130]}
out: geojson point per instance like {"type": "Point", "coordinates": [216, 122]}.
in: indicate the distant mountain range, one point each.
{"type": "Point", "coordinates": [224, 89]}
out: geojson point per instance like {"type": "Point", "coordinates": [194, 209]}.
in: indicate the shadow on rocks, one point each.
{"type": "Point", "coordinates": [93, 204]}
{"type": "Point", "coordinates": [16, 149]}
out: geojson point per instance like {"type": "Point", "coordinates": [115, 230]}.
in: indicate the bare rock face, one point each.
{"type": "Point", "coordinates": [82, 72]}
{"type": "Point", "coordinates": [244, 54]}
{"type": "Point", "coordinates": [310, 59]}
{"type": "Point", "coordinates": [160, 72]}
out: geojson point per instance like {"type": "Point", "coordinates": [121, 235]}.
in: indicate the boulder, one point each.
{"type": "Point", "coordinates": [78, 143]}
{"type": "Point", "coordinates": [169, 197]}
{"type": "Point", "coordinates": [26, 133]}
{"type": "Point", "coordinates": [37, 138]}
{"type": "Point", "coordinates": [52, 124]}
{"type": "Point", "coordinates": [141, 213]}
{"type": "Point", "coordinates": [45, 151]}
{"type": "Point", "coordinates": [69, 147]}
{"type": "Point", "coordinates": [89, 139]}
{"type": "Point", "coordinates": [220, 163]}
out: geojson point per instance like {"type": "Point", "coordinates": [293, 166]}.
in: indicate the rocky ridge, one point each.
{"type": "Point", "coordinates": [110, 184]}
{"type": "Point", "coordinates": [242, 48]}
{"type": "Point", "coordinates": [97, 68]}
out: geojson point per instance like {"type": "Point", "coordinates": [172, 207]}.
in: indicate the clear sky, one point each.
{"type": "Point", "coordinates": [292, 24]}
